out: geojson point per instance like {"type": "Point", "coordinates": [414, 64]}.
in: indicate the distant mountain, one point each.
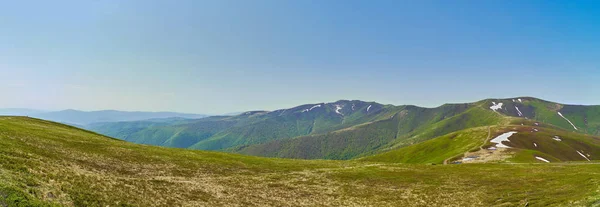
{"type": "Point", "coordinates": [83, 118]}
{"type": "Point", "coordinates": [348, 129]}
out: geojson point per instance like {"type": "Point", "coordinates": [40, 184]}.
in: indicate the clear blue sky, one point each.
{"type": "Point", "coordinates": [226, 56]}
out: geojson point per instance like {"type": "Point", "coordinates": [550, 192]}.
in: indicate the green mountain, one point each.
{"type": "Point", "coordinates": [531, 140]}
{"type": "Point", "coordinates": [44, 163]}
{"type": "Point", "coordinates": [348, 129]}
{"type": "Point", "coordinates": [425, 124]}
{"type": "Point", "coordinates": [222, 132]}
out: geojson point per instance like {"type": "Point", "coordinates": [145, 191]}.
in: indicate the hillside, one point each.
{"type": "Point", "coordinates": [528, 141]}
{"type": "Point", "coordinates": [347, 129]}
{"type": "Point", "coordinates": [255, 127]}
{"type": "Point", "coordinates": [401, 131]}
{"type": "Point", "coordinates": [48, 164]}
{"type": "Point", "coordinates": [229, 133]}
{"type": "Point", "coordinates": [411, 125]}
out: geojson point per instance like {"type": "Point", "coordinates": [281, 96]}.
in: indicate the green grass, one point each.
{"type": "Point", "coordinates": [44, 163]}
{"type": "Point", "coordinates": [408, 126]}
{"type": "Point", "coordinates": [435, 150]}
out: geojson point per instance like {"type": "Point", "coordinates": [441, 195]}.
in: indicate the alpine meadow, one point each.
{"type": "Point", "coordinates": [299, 103]}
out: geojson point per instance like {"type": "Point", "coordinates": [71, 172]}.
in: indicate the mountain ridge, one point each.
{"type": "Point", "coordinates": [343, 124]}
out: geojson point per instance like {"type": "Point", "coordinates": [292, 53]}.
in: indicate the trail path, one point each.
{"type": "Point", "coordinates": [480, 147]}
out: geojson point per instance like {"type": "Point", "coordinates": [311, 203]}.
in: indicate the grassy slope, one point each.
{"type": "Point", "coordinates": [217, 133]}
{"type": "Point", "coordinates": [448, 146]}
{"type": "Point", "coordinates": [409, 126]}
{"type": "Point", "coordinates": [273, 133]}
{"type": "Point", "coordinates": [548, 148]}
{"type": "Point", "coordinates": [44, 163]}
{"type": "Point", "coordinates": [585, 118]}
{"type": "Point", "coordinates": [435, 150]}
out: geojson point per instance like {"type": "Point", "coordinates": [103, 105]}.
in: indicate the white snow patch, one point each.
{"type": "Point", "coordinates": [337, 109]}
{"type": "Point", "coordinates": [311, 108]}
{"type": "Point", "coordinates": [542, 159]}
{"type": "Point", "coordinates": [353, 107]}
{"type": "Point", "coordinates": [496, 106]}
{"type": "Point", "coordinates": [283, 112]}
{"type": "Point", "coordinates": [535, 144]}
{"type": "Point", "coordinates": [567, 120]}
{"type": "Point", "coordinates": [520, 100]}
{"type": "Point", "coordinates": [503, 137]}
{"type": "Point", "coordinates": [536, 130]}
{"type": "Point", "coordinates": [583, 155]}
{"type": "Point", "coordinates": [557, 138]}
{"type": "Point", "coordinates": [369, 108]}
{"type": "Point", "coordinates": [513, 100]}
{"type": "Point", "coordinates": [520, 114]}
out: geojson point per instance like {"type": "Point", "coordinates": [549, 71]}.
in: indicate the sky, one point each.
{"type": "Point", "coordinates": [230, 56]}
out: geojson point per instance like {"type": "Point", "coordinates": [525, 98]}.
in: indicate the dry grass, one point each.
{"type": "Point", "coordinates": [43, 163]}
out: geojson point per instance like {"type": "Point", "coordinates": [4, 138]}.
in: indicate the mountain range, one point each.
{"type": "Point", "coordinates": [353, 129]}
{"type": "Point", "coordinates": [392, 156]}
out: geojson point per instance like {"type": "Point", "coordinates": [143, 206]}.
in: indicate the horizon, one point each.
{"type": "Point", "coordinates": [299, 104]}
{"type": "Point", "coordinates": [219, 57]}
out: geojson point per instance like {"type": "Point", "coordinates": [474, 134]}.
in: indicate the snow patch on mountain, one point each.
{"type": "Point", "coordinates": [542, 159]}
{"type": "Point", "coordinates": [567, 120]}
{"type": "Point", "coordinates": [520, 100]}
{"type": "Point", "coordinates": [583, 155]}
{"type": "Point", "coordinates": [519, 111]}
{"type": "Point", "coordinates": [311, 108]}
{"type": "Point", "coordinates": [369, 108]}
{"type": "Point", "coordinates": [496, 106]}
{"type": "Point", "coordinates": [503, 137]}
{"type": "Point", "coordinates": [337, 109]}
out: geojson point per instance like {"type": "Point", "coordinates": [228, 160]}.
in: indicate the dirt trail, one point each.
{"type": "Point", "coordinates": [488, 137]}
{"type": "Point", "coordinates": [480, 147]}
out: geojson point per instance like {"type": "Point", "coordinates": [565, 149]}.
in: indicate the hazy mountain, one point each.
{"type": "Point", "coordinates": [82, 118]}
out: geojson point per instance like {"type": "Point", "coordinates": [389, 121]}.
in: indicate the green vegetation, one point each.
{"type": "Point", "coordinates": [585, 118]}
{"type": "Point", "coordinates": [318, 131]}
{"type": "Point", "coordinates": [44, 164]}
{"type": "Point", "coordinates": [409, 126]}
{"type": "Point", "coordinates": [221, 133]}
{"type": "Point", "coordinates": [435, 150]}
